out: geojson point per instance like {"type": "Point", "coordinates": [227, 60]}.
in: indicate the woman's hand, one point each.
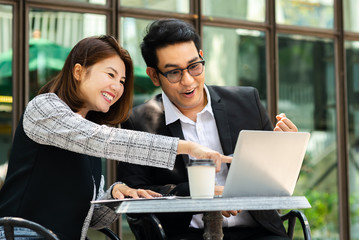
{"type": "Point", "coordinates": [218, 190]}
{"type": "Point", "coordinates": [200, 152]}
{"type": "Point", "coordinates": [120, 191]}
{"type": "Point", "coordinates": [284, 124]}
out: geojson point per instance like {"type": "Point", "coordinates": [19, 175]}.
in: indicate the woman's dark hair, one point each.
{"type": "Point", "coordinates": [164, 32]}
{"type": "Point", "coordinates": [88, 52]}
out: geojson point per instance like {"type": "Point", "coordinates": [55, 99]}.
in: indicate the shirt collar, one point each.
{"type": "Point", "coordinates": [172, 113]}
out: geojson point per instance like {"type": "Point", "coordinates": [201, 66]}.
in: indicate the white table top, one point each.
{"type": "Point", "coordinates": [207, 205]}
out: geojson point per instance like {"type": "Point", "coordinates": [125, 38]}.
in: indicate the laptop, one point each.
{"type": "Point", "coordinates": [265, 163]}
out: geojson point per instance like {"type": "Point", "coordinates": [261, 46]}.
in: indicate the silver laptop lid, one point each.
{"type": "Point", "coordinates": [266, 163]}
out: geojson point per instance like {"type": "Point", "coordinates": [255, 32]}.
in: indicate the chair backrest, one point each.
{"type": "Point", "coordinates": [108, 232]}
{"type": "Point", "coordinates": [10, 223]}
{"type": "Point", "coordinates": [291, 217]}
{"type": "Point", "coordinates": [146, 227]}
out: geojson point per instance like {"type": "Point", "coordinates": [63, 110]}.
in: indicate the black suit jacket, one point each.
{"type": "Point", "coordinates": [235, 109]}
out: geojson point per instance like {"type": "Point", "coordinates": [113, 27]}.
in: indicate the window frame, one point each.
{"type": "Point", "coordinates": [114, 12]}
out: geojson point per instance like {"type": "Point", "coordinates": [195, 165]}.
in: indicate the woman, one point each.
{"type": "Point", "coordinates": [55, 169]}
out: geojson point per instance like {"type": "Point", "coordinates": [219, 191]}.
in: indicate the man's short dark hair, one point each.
{"type": "Point", "coordinates": [164, 32]}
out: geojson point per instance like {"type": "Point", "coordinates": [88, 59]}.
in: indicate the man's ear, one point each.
{"type": "Point", "coordinates": [152, 73]}
{"type": "Point", "coordinates": [77, 71]}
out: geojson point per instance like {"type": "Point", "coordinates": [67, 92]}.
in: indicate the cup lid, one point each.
{"type": "Point", "coordinates": [200, 162]}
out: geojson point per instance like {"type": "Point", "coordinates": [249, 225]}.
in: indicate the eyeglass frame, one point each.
{"type": "Point", "coordinates": [182, 69]}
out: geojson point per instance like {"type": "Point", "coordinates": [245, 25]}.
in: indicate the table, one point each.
{"type": "Point", "coordinates": [210, 207]}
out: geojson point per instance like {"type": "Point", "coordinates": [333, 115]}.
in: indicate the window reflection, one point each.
{"type": "Point", "coordinates": [52, 35]}
{"type": "Point", "coordinates": [253, 10]}
{"type": "Point", "coordinates": [132, 32]}
{"type": "Point", "coordinates": [6, 56]}
{"type": "Point", "coordinates": [180, 6]}
{"type": "Point", "coordinates": [235, 57]}
{"type": "Point", "coordinates": [352, 72]}
{"type": "Point", "coordinates": [307, 96]}
{"type": "Point", "coordinates": [99, 2]}
{"type": "Point", "coordinates": [351, 15]}
{"type": "Point", "coordinates": [308, 13]}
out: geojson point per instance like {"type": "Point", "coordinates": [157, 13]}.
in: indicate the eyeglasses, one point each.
{"type": "Point", "coordinates": [194, 69]}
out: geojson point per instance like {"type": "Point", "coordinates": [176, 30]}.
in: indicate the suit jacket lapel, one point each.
{"type": "Point", "coordinates": [222, 122]}
{"type": "Point", "coordinates": [176, 131]}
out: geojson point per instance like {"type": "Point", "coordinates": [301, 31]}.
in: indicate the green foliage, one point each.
{"type": "Point", "coordinates": [322, 217]}
{"type": "Point", "coordinates": [354, 208]}
{"type": "Point", "coordinates": [323, 213]}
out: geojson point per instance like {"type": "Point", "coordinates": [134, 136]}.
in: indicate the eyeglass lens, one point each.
{"type": "Point", "coordinates": [194, 69]}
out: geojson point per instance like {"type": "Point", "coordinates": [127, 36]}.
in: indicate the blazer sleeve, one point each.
{"type": "Point", "coordinates": [49, 121]}
{"type": "Point", "coordinates": [149, 117]}
{"type": "Point", "coordinates": [266, 123]}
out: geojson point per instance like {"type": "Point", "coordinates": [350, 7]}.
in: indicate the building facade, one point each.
{"type": "Point", "coordinates": [302, 56]}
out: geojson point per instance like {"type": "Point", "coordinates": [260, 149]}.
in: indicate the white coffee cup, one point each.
{"type": "Point", "coordinates": [201, 176]}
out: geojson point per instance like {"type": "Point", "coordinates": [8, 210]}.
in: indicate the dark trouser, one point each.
{"type": "Point", "coordinates": [237, 233]}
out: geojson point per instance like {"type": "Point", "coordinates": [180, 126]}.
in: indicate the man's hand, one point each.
{"type": "Point", "coordinates": [284, 124]}
{"type": "Point", "coordinates": [120, 191]}
{"type": "Point", "coordinates": [218, 190]}
{"type": "Point", "coordinates": [230, 213]}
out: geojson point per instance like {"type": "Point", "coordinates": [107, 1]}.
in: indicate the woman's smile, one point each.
{"type": "Point", "coordinates": [108, 96]}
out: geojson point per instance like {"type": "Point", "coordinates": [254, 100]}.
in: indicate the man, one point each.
{"type": "Point", "coordinates": [210, 115]}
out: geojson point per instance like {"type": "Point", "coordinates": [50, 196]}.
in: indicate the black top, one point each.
{"type": "Point", "coordinates": [38, 178]}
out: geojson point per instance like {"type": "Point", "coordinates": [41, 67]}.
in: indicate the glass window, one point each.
{"type": "Point", "coordinates": [99, 2]}
{"type": "Point", "coordinates": [235, 57]}
{"type": "Point", "coordinates": [351, 15]}
{"type": "Point", "coordinates": [6, 56]}
{"type": "Point", "coordinates": [306, 13]}
{"type": "Point", "coordinates": [131, 32]}
{"type": "Point", "coordinates": [307, 96]}
{"type": "Point", "coordinates": [253, 10]}
{"type": "Point", "coordinates": [180, 6]}
{"type": "Point", "coordinates": [352, 72]}
{"type": "Point", "coordinates": [52, 35]}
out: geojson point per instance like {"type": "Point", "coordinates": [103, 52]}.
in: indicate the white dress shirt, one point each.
{"type": "Point", "coordinates": [204, 131]}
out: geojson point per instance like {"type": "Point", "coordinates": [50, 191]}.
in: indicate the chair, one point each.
{"type": "Point", "coordinates": [292, 216]}
{"type": "Point", "coordinates": [9, 223]}
{"type": "Point", "coordinates": [109, 233]}
{"type": "Point", "coordinates": [148, 226]}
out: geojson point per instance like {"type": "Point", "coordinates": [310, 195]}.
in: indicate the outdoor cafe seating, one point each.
{"type": "Point", "coordinates": [148, 226]}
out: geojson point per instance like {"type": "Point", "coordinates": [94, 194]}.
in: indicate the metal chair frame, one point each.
{"type": "Point", "coordinates": [9, 223]}
{"type": "Point", "coordinates": [292, 216]}
{"type": "Point", "coordinates": [143, 225]}
{"type": "Point", "coordinates": [109, 233]}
